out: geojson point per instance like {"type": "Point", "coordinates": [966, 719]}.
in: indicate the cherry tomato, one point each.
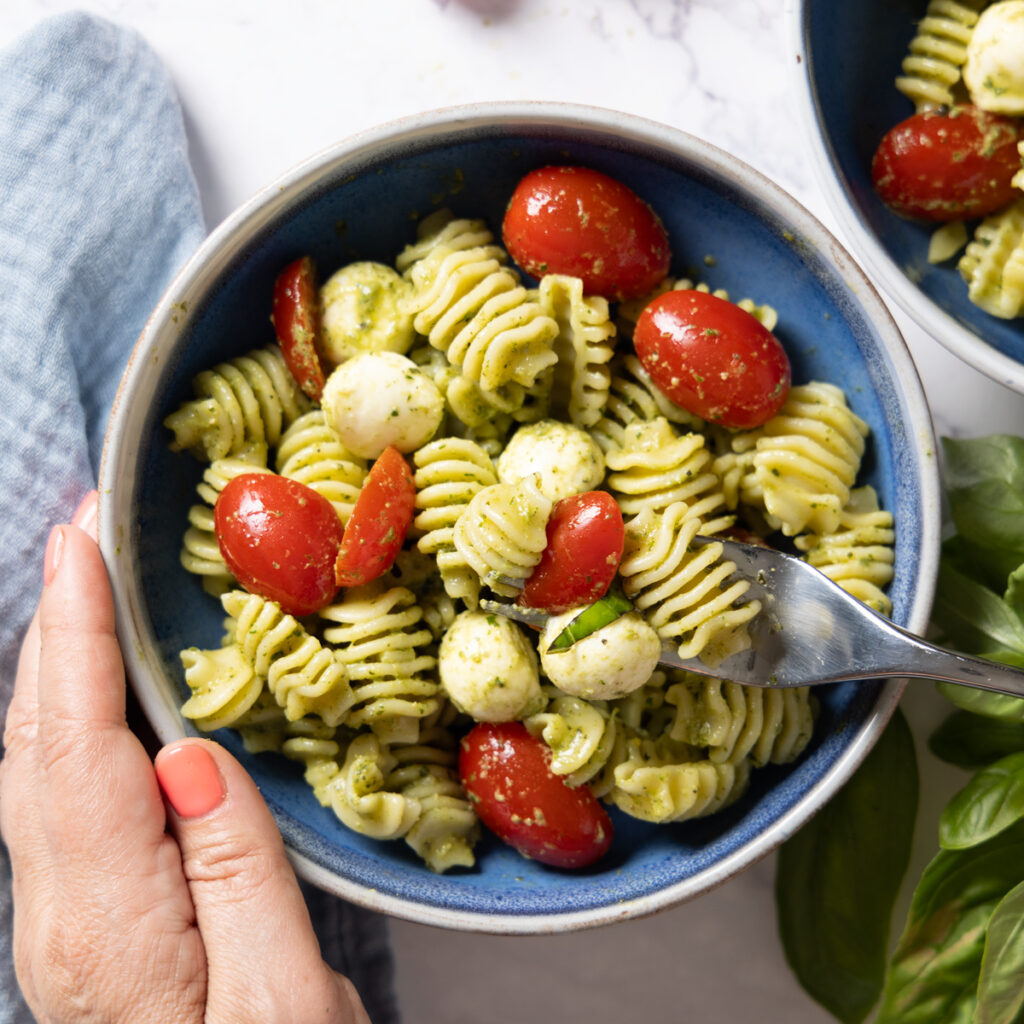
{"type": "Point", "coordinates": [712, 358]}
{"type": "Point", "coordinates": [572, 220]}
{"type": "Point", "coordinates": [296, 319]}
{"type": "Point", "coordinates": [585, 540]}
{"type": "Point", "coordinates": [280, 539]}
{"type": "Point", "coordinates": [507, 774]}
{"type": "Point", "coordinates": [948, 165]}
{"type": "Point", "coordinates": [379, 522]}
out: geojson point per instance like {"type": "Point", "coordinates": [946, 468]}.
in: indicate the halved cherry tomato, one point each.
{"type": "Point", "coordinates": [573, 220]}
{"type": "Point", "coordinates": [585, 540]}
{"type": "Point", "coordinates": [712, 358]}
{"type": "Point", "coordinates": [296, 319]}
{"type": "Point", "coordinates": [507, 774]}
{"type": "Point", "coordinates": [379, 522]}
{"type": "Point", "coordinates": [280, 539]}
{"type": "Point", "coordinates": [948, 165]}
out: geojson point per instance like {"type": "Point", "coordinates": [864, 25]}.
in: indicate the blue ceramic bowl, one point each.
{"type": "Point", "coordinates": [848, 55]}
{"type": "Point", "coordinates": [764, 245]}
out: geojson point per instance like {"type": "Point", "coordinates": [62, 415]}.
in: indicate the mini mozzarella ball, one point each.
{"type": "Point", "coordinates": [613, 661]}
{"type": "Point", "coordinates": [363, 310]}
{"type": "Point", "coordinates": [564, 459]}
{"type": "Point", "coordinates": [994, 70]}
{"type": "Point", "coordinates": [489, 668]}
{"type": "Point", "coordinates": [379, 399]}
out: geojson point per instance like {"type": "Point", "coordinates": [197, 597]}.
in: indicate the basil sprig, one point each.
{"type": "Point", "coordinates": [838, 877]}
{"type": "Point", "coordinates": [960, 959]}
{"type": "Point", "coordinates": [595, 616]}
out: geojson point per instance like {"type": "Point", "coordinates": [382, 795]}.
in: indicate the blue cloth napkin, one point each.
{"type": "Point", "coordinates": [98, 209]}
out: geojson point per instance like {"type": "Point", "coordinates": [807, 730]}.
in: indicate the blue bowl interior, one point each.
{"type": "Point", "coordinates": [854, 52]}
{"type": "Point", "coordinates": [368, 211]}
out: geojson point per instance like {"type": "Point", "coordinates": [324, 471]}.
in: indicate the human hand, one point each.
{"type": "Point", "coordinates": [153, 894]}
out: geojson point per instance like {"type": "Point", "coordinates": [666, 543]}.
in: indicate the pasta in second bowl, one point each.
{"type": "Point", "coordinates": [377, 199]}
{"type": "Point", "coordinates": [862, 69]}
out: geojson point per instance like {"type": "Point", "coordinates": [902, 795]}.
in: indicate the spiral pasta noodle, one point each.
{"type": "Point", "coordinates": [450, 472]}
{"type": "Point", "coordinates": [305, 677]}
{"type": "Point", "coordinates": [741, 723]}
{"type": "Point", "coordinates": [655, 784]}
{"type": "Point", "coordinates": [579, 733]}
{"type": "Point", "coordinates": [472, 307]}
{"type": "Point", "coordinates": [223, 685]}
{"type": "Point", "coordinates": [859, 555]}
{"type": "Point", "coordinates": [501, 533]}
{"type": "Point", "coordinates": [583, 347]}
{"type": "Point", "coordinates": [313, 454]}
{"type": "Point", "coordinates": [245, 400]}
{"type": "Point", "coordinates": [447, 827]}
{"type": "Point", "coordinates": [806, 459]}
{"type": "Point", "coordinates": [685, 593]}
{"type": "Point", "coordinates": [937, 53]}
{"type": "Point", "coordinates": [380, 638]}
{"type": "Point", "coordinates": [993, 263]}
{"type": "Point", "coordinates": [654, 467]}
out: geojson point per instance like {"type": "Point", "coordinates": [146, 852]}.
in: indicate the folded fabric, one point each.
{"type": "Point", "coordinates": [98, 209]}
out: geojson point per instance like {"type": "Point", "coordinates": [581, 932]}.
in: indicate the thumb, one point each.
{"type": "Point", "coordinates": [249, 909]}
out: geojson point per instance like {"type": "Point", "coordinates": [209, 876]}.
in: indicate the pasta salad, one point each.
{"type": "Point", "coordinates": [426, 433]}
{"type": "Point", "coordinates": [956, 162]}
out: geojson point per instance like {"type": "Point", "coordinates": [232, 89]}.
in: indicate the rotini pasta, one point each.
{"type": "Point", "coordinates": [806, 459]}
{"type": "Point", "coordinates": [583, 347]}
{"type": "Point", "coordinates": [501, 534]}
{"type": "Point", "coordinates": [379, 637]}
{"type": "Point", "coordinates": [450, 472]}
{"type": "Point", "coordinates": [471, 307]}
{"type": "Point", "coordinates": [859, 555]}
{"type": "Point", "coordinates": [654, 467]}
{"type": "Point", "coordinates": [313, 454]}
{"type": "Point", "coordinates": [993, 263]}
{"type": "Point", "coordinates": [246, 400]}
{"type": "Point", "coordinates": [932, 68]}
{"type": "Point", "coordinates": [685, 592]}
{"type": "Point", "coordinates": [544, 399]}
{"type": "Point", "coordinates": [304, 677]}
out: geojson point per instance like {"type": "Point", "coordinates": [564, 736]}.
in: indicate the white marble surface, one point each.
{"type": "Point", "coordinates": [265, 84]}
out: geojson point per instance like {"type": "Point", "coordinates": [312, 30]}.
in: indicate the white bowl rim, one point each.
{"type": "Point", "coordinates": [122, 443]}
{"type": "Point", "coordinates": [940, 325]}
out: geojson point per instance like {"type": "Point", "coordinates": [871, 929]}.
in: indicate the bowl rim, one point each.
{"type": "Point", "coordinates": [117, 475]}
{"type": "Point", "coordinates": [941, 326]}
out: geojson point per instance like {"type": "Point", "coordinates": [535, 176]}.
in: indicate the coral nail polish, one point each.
{"type": "Point", "coordinates": [189, 779]}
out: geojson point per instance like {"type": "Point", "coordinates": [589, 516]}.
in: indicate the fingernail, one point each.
{"type": "Point", "coordinates": [54, 553]}
{"type": "Point", "coordinates": [189, 779]}
{"type": "Point", "coordinates": [85, 515]}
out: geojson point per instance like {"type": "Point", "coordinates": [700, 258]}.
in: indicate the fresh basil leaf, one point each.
{"type": "Point", "coordinates": [985, 483]}
{"type": "Point", "coordinates": [1000, 991]}
{"type": "Point", "coordinates": [992, 801]}
{"type": "Point", "coordinates": [983, 702]}
{"type": "Point", "coordinates": [972, 741]}
{"type": "Point", "coordinates": [838, 877]}
{"type": "Point", "coordinates": [1014, 595]}
{"type": "Point", "coordinates": [968, 461]}
{"type": "Point", "coordinates": [973, 618]}
{"type": "Point", "coordinates": [594, 617]}
{"type": "Point", "coordinates": [988, 566]}
{"type": "Point", "coordinates": [933, 977]}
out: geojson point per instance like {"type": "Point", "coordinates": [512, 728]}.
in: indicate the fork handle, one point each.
{"type": "Point", "coordinates": [927, 661]}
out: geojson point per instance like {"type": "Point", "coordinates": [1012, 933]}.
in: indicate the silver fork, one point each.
{"type": "Point", "coordinates": [810, 631]}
